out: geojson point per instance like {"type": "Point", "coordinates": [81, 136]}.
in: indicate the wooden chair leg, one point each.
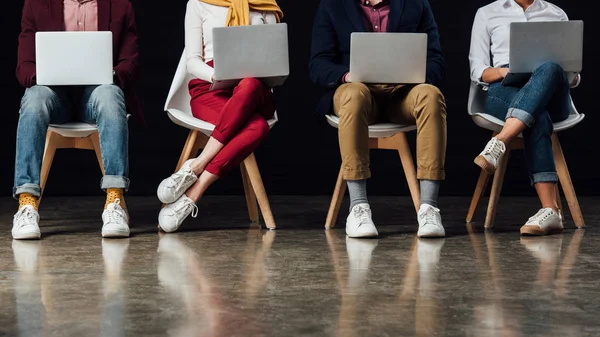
{"type": "Point", "coordinates": [410, 171]}
{"type": "Point", "coordinates": [250, 196]}
{"type": "Point", "coordinates": [336, 200]}
{"type": "Point", "coordinates": [496, 189]}
{"type": "Point", "coordinates": [482, 184]}
{"type": "Point", "coordinates": [259, 190]}
{"type": "Point", "coordinates": [49, 152]}
{"type": "Point", "coordinates": [95, 139]}
{"type": "Point", "coordinates": [565, 181]}
{"type": "Point", "coordinates": [558, 200]}
{"type": "Point", "coordinates": [187, 148]}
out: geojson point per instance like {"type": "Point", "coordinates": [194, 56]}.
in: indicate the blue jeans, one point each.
{"type": "Point", "coordinates": [544, 100]}
{"type": "Point", "coordinates": [101, 105]}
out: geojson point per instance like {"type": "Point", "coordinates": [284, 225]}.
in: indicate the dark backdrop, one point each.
{"type": "Point", "coordinates": [301, 154]}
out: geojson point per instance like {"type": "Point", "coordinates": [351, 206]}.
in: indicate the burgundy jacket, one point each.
{"type": "Point", "coordinates": [113, 15]}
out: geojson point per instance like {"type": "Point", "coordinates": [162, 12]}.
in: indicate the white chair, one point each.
{"type": "Point", "coordinates": [75, 135]}
{"type": "Point", "coordinates": [476, 108]}
{"type": "Point", "coordinates": [179, 111]}
{"type": "Point", "coordinates": [383, 136]}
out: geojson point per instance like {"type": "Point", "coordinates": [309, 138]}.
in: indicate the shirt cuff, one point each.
{"type": "Point", "coordinates": [477, 75]}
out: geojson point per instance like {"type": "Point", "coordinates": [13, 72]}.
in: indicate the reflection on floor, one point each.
{"type": "Point", "coordinates": [224, 277]}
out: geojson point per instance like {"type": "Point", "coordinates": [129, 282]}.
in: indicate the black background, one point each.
{"type": "Point", "coordinates": [301, 155]}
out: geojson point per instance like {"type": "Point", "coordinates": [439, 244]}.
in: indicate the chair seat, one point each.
{"type": "Point", "coordinates": [379, 130]}
{"type": "Point", "coordinates": [73, 129]}
{"type": "Point", "coordinates": [492, 123]}
{"type": "Point", "coordinates": [187, 121]}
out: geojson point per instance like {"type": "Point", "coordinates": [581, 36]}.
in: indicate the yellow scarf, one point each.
{"type": "Point", "coordinates": [239, 10]}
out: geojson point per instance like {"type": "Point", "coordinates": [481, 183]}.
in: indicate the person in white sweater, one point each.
{"type": "Point", "coordinates": [240, 115]}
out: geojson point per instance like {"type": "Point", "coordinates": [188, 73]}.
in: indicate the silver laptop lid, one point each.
{"type": "Point", "coordinates": [258, 51]}
{"type": "Point", "coordinates": [388, 58]}
{"type": "Point", "coordinates": [535, 43]}
{"type": "Point", "coordinates": [74, 58]}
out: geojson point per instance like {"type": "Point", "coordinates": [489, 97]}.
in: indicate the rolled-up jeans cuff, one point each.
{"type": "Point", "coordinates": [114, 182]}
{"type": "Point", "coordinates": [32, 189]}
{"type": "Point", "coordinates": [544, 177]}
{"type": "Point", "coordinates": [521, 115]}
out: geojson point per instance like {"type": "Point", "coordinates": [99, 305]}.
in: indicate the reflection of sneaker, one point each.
{"type": "Point", "coordinates": [173, 266]}
{"type": "Point", "coordinates": [173, 187]}
{"type": "Point", "coordinates": [359, 223]}
{"type": "Point", "coordinates": [430, 222]}
{"type": "Point", "coordinates": [546, 249]}
{"type": "Point", "coordinates": [113, 254]}
{"type": "Point", "coordinates": [26, 224]}
{"type": "Point", "coordinates": [489, 158]}
{"type": "Point", "coordinates": [359, 258]}
{"type": "Point", "coordinates": [26, 254]}
{"type": "Point", "coordinates": [428, 252]}
{"type": "Point", "coordinates": [116, 221]}
{"type": "Point", "coordinates": [172, 215]}
{"type": "Point", "coordinates": [544, 222]}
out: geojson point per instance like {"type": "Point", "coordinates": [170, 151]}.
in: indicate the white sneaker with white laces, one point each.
{"type": "Point", "coordinates": [116, 221]}
{"type": "Point", "coordinates": [360, 223]}
{"type": "Point", "coordinates": [26, 224]}
{"type": "Point", "coordinates": [430, 222]}
{"type": "Point", "coordinates": [172, 215]}
{"type": "Point", "coordinates": [489, 158]}
{"type": "Point", "coordinates": [173, 187]}
{"type": "Point", "coordinates": [546, 221]}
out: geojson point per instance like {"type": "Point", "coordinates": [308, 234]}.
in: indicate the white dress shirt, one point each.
{"type": "Point", "coordinates": [200, 19]}
{"type": "Point", "coordinates": [490, 39]}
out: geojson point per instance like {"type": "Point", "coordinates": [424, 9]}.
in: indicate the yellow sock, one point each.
{"type": "Point", "coordinates": [112, 194]}
{"type": "Point", "coordinates": [26, 199]}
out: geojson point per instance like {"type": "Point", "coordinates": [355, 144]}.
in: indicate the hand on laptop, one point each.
{"type": "Point", "coordinates": [503, 72]}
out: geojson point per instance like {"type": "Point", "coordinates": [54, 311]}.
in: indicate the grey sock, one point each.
{"type": "Point", "coordinates": [429, 191]}
{"type": "Point", "coordinates": [358, 192]}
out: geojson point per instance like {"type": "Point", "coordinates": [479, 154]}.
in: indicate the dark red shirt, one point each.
{"type": "Point", "coordinates": [375, 17]}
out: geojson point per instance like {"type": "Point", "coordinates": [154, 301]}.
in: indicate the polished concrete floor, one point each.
{"type": "Point", "coordinates": [222, 276]}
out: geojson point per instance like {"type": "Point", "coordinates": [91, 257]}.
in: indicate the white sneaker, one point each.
{"type": "Point", "coordinates": [430, 222]}
{"type": "Point", "coordinates": [546, 221]}
{"type": "Point", "coordinates": [173, 187]}
{"type": "Point", "coordinates": [360, 223]}
{"type": "Point", "coordinates": [116, 221]}
{"type": "Point", "coordinates": [26, 224]}
{"type": "Point", "coordinates": [489, 158]}
{"type": "Point", "coordinates": [172, 215]}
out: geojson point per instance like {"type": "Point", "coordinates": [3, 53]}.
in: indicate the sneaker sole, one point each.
{"type": "Point", "coordinates": [115, 234]}
{"type": "Point", "coordinates": [431, 236]}
{"type": "Point", "coordinates": [363, 236]}
{"type": "Point", "coordinates": [485, 165]}
{"type": "Point", "coordinates": [536, 231]}
{"type": "Point", "coordinates": [27, 236]}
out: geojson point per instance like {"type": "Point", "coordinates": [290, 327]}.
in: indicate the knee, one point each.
{"type": "Point", "coordinates": [109, 102]}
{"type": "Point", "coordinates": [430, 100]}
{"type": "Point", "coordinates": [251, 84]}
{"type": "Point", "coordinates": [552, 69]}
{"type": "Point", "coordinates": [37, 102]}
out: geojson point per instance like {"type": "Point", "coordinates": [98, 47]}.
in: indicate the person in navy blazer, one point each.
{"type": "Point", "coordinates": [358, 105]}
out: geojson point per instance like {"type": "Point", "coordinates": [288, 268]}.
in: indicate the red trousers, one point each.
{"type": "Point", "coordinates": [240, 118]}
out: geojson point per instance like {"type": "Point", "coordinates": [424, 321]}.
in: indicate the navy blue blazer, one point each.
{"type": "Point", "coordinates": [336, 20]}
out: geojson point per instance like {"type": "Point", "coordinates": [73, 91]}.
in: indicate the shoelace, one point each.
{"type": "Point", "coordinates": [26, 213]}
{"type": "Point", "coordinates": [430, 215]}
{"type": "Point", "coordinates": [183, 206]}
{"type": "Point", "coordinates": [494, 148]}
{"type": "Point", "coordinates": [113, 212]}
{"type": "Point", "coordinates": [362, 214]}
{"type": "Point", "coordinates": [178, 179]}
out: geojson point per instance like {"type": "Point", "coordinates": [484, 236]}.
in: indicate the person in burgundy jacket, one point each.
{"type": "Point", "coordinates": [358, 105]}
{"type": "Point", "coordinates": [104, 105]}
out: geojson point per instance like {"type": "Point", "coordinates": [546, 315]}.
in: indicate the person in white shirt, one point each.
{"type": "Point", "coordinates": [240, 115]}
{"type": "Point", "coordinates": [530, 109]}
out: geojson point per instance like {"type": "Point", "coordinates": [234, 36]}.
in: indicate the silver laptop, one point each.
{"type": "Point", "coordinates": [388, 58]}
{"type": "Point", "coordinates": [259, 51]}
{"type": "Point", "coordinates": [74, 58]}
{"type": "Point", "coordinates": [535, 43]}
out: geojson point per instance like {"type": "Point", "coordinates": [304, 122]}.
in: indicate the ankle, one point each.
{"type": "Point", "coordinates": [114, 194]}
{"type": "Point", "coordinates": [504, 139]}
{"type": "Point", "coordinates": [27, 199]}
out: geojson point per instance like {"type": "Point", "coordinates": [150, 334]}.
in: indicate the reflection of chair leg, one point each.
{"type": "Point", "coordinates": [259, 190]}
{"type": "Point", "coordinates": [250, 196]}
{"type": "Point", "coordinates": [336, 200]}
{"type": "Point", "coordinates": [496, 189]}
{"type": "Point", "coordinates": [566, 267]}
{"type": "Point", "coordinates": [566, 183]}
{"type": "Point", "coordinates": [482, 184]}
{"type": "Point", "coordinates": [410, 171]}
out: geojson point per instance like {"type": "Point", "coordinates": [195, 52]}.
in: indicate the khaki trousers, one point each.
{"type": "Point", "coordinates": [358, 106]}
